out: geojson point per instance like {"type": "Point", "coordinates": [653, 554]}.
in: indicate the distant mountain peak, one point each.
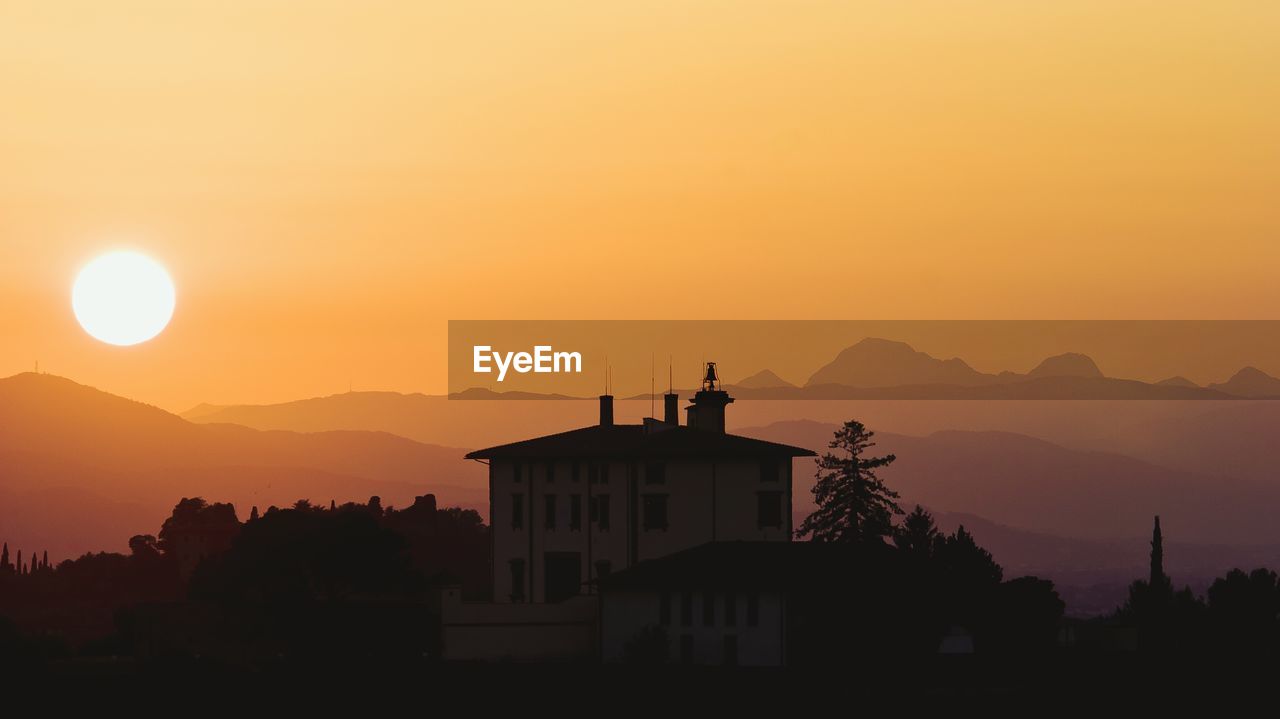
{"type": "Point", "coordinates": [1177, 381]}
{"type": "Point", "coordinates": [763, 379]}
{"type": "Point", "coordinates": [1250, 382]}
{"type": "Point", "coordinates": [1067, 364]}
{"type": "Point", "coordinates": [877, 362]}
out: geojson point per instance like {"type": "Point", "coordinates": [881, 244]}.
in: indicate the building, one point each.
{"type": "Point", "coordinates": [758, 604]}
{"type": "Point", "coordinates": [569, 508]}
{"type": "Point", "coordinates": [572, 508]}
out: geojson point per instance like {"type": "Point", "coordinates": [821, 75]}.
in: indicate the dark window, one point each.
{"type": "Point", "coordinates": [655, 511]}
{"type": "Point", "coordinates": [730, 650]}
{"type": "Point", "coordinates": [517, 472]}
{"type": "Point", "coordinates": [708, 609]}
{"type": "Point", "coordinates": [598, 473]}
{"type": "Point", "coordinates": [730, 610]}
{"type": "Point", "coordinates": [686, 648]}
{"type": "Point", "coordinates": [769, 509]}
{"type": "Point", "coordinates": [551, 471]}
{"type": "Point", "coordinates": [575, 512]}
{"type": "Point", "coordinates": [753, 610]}
{"type": "Point", "coordinates": [517, 580]}
{"type": "Point", "coordinates": [664, 610]}
{"type": "Point", "coordinates": [768, 470]}
{"type": "Point", "coordinates": [603, 568]}
{"type": "Point", "coordinates": [655, 473]}
{"type": "Point", "coordinates": [575, 471]}
{"type": "Point", "coordinates": [602, 512]}
{"type": "Point", "coordinates": [563, 576]}
{"type": "Point", "coordinates": [550, 514]}
{"type": "Point", "coordinates": [517, 511]}
{"type": "Point", "coordinates": [686, 609]}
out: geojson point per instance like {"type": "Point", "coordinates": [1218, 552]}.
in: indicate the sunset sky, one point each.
{"type": "Point", "coordinates": [330, 182]}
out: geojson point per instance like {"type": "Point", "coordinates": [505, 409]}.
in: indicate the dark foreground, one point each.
{"type": "Point", "coordinates": [1066, 679]}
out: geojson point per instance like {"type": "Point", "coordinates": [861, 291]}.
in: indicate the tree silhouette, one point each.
{"type": "Point", "coordinates": [917, 535]}
{"type": "Point", "coordinates": [1243, 610]}
{"type": "Point", "coordinates": [853, 504]}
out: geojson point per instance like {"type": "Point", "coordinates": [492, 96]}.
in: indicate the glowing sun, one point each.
{"type": "Point", "coordinates": [123, 298]}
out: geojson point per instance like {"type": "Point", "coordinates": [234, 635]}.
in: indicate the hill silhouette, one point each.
{"type": "Point", "coordinates": [875, 362]}
{"type": "Point", "coordinates": [1069, 364]}
{"type": "Point", "coordinates": [124, 462]}
{"type": "Point", "coordinates": [883, 369]}
{"type": "Point", "coordinates": [762, 379]}
{"type": "Point", "coordinates": [1024, 482]}
{"type": "Point", "coordinates": [1250, 382]}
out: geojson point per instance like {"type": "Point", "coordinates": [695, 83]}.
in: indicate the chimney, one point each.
{"type": "Point", "coordinates": [707, 411]}
{"type": "Point", "coordinates": [671, 408]}
{"type": "Point", "coordinates": [606, 410]}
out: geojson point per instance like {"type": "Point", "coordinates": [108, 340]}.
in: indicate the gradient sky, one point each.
{"type": "Point", "coordinates": [330, 182]}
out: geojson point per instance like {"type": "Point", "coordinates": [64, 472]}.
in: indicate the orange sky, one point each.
{"type": "Point", "coordinates": [330, 182]}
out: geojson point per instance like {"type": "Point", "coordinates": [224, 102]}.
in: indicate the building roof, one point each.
{"type": "Point", "coordinates": [655, 439]}
{"type": "Point", "coordinates": [748, 566]}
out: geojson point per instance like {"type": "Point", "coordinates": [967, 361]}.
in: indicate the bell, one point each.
{"type": "Point", "coordinates": [709, 382]}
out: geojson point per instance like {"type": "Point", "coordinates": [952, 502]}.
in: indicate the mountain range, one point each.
{"type": "Point", "coordinates": [877, 368]}
{"type": "Point", "coordinates": [82, 469]}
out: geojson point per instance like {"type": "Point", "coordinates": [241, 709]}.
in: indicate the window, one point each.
{"type": "Point", "coordinates": [686, 609]}
{"type": "Point", "coordinates": [575, 512]}
{"type": "Point", "coordinates": [602, 512]}
{"type": "Point", "coordinates": [664, 610]}
{"type": "Point", "coordinates": [730, 650]}
{"type": "Point", "coordinates": [599, 473]}
{"type": "Point", "coordinates": [769, 470]}
{"type": "Point", "coordinates": [768, 509]}
{"type": "Point", "coordinates": [517, 511]}
{"type": "Point", "coordinates": [575, 472]}
{"type": "Point", "coordinates": [516, 472]}
{"type": "Point", "coordinates": [550, 513]}
{"type": "Point", "coordinates": [730, 610]}
{"type": "Point", "coordinates": [753, 610]}
{"type": "Point", "coordinates": [686, 648]}
{"type": "Point", "coordinates": [708, 609]}
{"type": "Point", "coordinates": [551, 472]}
{"type": "Point", "coordinates": [655, 473]}
{"type": "Point", "coordinates": [603, 568]}
{"type": "Point", "coordinates": [517, 580]}
{"type": "Point", "coordinates": [655, 511]}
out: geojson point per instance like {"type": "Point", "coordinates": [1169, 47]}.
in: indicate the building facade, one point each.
{"type": "Point", "coordinates": [569, 509]}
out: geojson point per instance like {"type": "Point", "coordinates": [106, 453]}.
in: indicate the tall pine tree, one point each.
{"type": "Point", "coordinates": [853, 504]}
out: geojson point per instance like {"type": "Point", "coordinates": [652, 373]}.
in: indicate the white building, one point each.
{"type": "Point", "coordinates": [571, 508]}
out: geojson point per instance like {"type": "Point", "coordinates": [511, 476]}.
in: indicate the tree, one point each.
{"type": "Point", "coordinates": [853, 504]}
{"type": "Point", "coordinates": [917, 535]}
{"type": "Point", "coordinates": [966, 564]}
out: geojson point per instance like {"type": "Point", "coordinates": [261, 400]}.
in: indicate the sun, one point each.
{"type": "Point", "coordinates": [123, 298]}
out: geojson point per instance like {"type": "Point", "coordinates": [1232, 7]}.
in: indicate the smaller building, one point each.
{"type": "Point", "coordinates": [723, 603]}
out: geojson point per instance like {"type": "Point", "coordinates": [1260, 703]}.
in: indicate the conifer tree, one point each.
{"type": "Point", "coordinates": [853, 504]}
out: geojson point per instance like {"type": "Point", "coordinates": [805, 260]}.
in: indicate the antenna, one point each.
{"type": "Point", "coordinates": [653, 394]}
